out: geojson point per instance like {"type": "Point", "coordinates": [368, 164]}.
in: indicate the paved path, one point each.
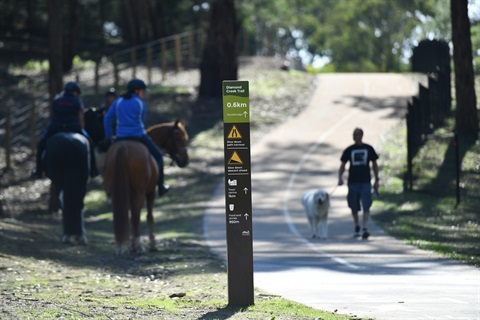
{"type": "Point", "coordinates": [381, 278]}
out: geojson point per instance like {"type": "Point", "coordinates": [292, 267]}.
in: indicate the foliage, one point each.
{"type": "Point", "coordinates": [356, 35]}
{"type": "Point", "coordinates": [44, 279]}
{"type": "Point", "coordinates": [373, 34]}
{"type": "Point", "coordinates": [475, 30]}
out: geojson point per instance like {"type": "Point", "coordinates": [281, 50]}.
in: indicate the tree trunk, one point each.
{"type": "Point", "coordinates": [220, 56]}
{"type": "Point", "coordinates": [55, 41]}
{"type": "Point", "coordinates": [466, 112]}
{"type": "Point", "coordinates": [70, 37]}
{"type": "Point", "coordinates": [132, 22]}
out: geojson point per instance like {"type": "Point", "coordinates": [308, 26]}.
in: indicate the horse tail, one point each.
{"type": "Point", "coordinates": [120, 194]}
{"type": "Point", "coordinates": [67, 160]}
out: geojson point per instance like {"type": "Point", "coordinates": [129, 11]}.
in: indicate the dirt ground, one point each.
{"type": "Point", "coordinates": [42, 278]}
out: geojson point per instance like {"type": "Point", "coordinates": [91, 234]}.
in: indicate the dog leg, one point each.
{"type": "Point", "coordinates": [323, 229]}
{"type": "Point", "coordinates": [312, 225]}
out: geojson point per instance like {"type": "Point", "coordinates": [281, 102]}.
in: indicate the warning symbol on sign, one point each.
{"type": "Point", "coordinates": [234, 134]}
{"type": "Point", "coordinates": [235, 159]}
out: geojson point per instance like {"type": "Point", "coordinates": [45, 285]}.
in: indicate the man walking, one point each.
{"type": "Point", "coordinates": [359, 155]}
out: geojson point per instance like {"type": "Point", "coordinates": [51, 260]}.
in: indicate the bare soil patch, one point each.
{"type": "Point", "coordinates": [42, 278]}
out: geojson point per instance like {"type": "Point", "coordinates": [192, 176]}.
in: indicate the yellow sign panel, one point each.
{"type": "Point", "coordinates": [234, 134]}
{"type": "Point", "coordinates": [235, 159]}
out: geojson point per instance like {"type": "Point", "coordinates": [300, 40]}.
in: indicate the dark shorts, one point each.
{"type": "Point", "coordinates": [359, 193]}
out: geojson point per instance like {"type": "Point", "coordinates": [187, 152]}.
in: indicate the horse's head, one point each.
{"type": "Point", "coordinates": [173, 138]}
{"type": "Point", "coordinates": [94, 123]}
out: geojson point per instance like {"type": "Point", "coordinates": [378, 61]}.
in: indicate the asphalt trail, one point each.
{"type": "Point", "coordinates": [380, 278]}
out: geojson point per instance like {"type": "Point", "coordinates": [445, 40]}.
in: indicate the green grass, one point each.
{"type": "Point", "coordinates": [41, 278]}
{"type": "Point", "coordinates": [429, 217]}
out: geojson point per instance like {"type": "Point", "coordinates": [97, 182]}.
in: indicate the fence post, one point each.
{"type": "Point", "coordinates": [33, 127]}
{"type": "Point", "coordinates": [409, 175]}
{"type": "Point", "coordinates": [191, 50]}
{"type": "Point", "coordinates": [457, 166]}
{"type": "Point", "coordinates": [133, 62]}
{"type": "Point", "coordinates": [163, 59]}
{"type": "Point", "coordinates": [8, 139]}
{"type": "Point", "coordinates": [426, 121]}
{"type": "Point", "coordinates": [149, 63]}
{"type": "Point", "coordinates": [115, 71]}
{"type": "Point", "coordinates": [97, 76]}
{"type": "Point", "coordinates": [178, 54]}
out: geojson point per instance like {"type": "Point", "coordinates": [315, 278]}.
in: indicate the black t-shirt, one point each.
{"type": "Point", "coordinates": [360, 157]}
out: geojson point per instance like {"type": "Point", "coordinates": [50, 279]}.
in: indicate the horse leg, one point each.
{"type": "Point", "coordinates": [151, 234]}
{"type": "Point", "coordinates": [53, 201]}
{"type": "Point", "coordinates": [73, 196]}
{"type": "Point", "coordinates": [136, 209]}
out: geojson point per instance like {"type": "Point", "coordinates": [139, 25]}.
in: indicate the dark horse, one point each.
{"type": "Point", "coordinates": [130, 177]}
{"type": "Point", "coordinates": [67, 166]}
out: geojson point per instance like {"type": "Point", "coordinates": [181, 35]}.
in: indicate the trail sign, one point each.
{"type": "Point", "coordinates": [238, 195]}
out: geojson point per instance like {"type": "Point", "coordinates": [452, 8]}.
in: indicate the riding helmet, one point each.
{"type": "Point", "coordinates": [136, 84]}
{"type": "Point", "coordinates": [72, 87]}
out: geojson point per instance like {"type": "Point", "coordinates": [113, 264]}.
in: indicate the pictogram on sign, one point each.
{"type": "Point", "coordinates": [235, 159]}
{"type": "Point", "coordinates": [234, 133]}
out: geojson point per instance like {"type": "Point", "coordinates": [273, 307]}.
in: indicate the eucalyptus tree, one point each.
{"type": "Point", "coordinates": [355, 35]}
{"type": "Point", "coordinates": [466, 104]}
{"type": "Point", "coordinates": [220, 55]}
{"type": "Point", "coordinates": [371, 35]}
{"type": "Point", "coordinates": [55, 50]}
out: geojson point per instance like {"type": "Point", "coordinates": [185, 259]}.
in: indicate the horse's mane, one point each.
{"type": "Point", "coordinates": [177, 123]}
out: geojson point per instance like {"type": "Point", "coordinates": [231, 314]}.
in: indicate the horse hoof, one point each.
{"type": "Point", "coordinates": [81, 240]}
{"type": "Point", "coordinates": [120, 250]}
{"type": "Point", "coordinates": [67, 239]}
{"type": "Point", "coordinates": [74, 240]}
{"type": "Point", "coordinates": [137, 246]}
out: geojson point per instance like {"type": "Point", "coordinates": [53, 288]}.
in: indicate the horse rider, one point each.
{"type": "Point", "coordinates": [67, 116]}
{"type": "Point", "coordinates": [127, 116]}
{"type": "Point", "coordinates": [94, 120]}
{"type": "Point", "coordinates": [110, 96]}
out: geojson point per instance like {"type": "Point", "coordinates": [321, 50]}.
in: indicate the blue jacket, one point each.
{"type": "Point", "coordinates": [127, 116]}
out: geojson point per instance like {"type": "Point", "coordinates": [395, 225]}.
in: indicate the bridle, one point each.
{"type": "Point", "coordinates": [175, 149]}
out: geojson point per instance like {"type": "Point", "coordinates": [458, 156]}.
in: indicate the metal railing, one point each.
{"type": "Point", "coordinates": [168, 55]}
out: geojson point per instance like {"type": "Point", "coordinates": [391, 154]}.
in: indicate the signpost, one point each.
{"type": "Point", "coordinates": [238, 196]}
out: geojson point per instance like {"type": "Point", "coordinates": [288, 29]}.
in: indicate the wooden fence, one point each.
{"type": "Point", "coordinates": [22, 126]}
{"type": "Point", "coordinates": [169, 55]}
{"type": "Point", "coordinates": [426, 112]}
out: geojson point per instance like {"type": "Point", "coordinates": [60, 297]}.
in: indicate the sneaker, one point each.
{"type": "Point", "coordinates": [162, 190]}
{"type": "Point", "coordinates": [365, 234]}
{"type": "Point", "coordinates": [357, 232]}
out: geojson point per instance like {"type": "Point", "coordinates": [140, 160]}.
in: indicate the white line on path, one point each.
{"type": "Point", "coordinates": [293, 177]}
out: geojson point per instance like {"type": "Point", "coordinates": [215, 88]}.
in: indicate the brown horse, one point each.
{"type": "Point", "coordinates": [130, 177]}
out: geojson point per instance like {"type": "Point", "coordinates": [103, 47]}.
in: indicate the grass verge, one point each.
{"type": "Point", "coordinates": [41, 278]}
{"type": "Point", "coordinates": [429, 217]}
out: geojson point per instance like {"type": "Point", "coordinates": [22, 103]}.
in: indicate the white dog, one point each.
{"type": "Point", "coordinates": [316, 203]}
